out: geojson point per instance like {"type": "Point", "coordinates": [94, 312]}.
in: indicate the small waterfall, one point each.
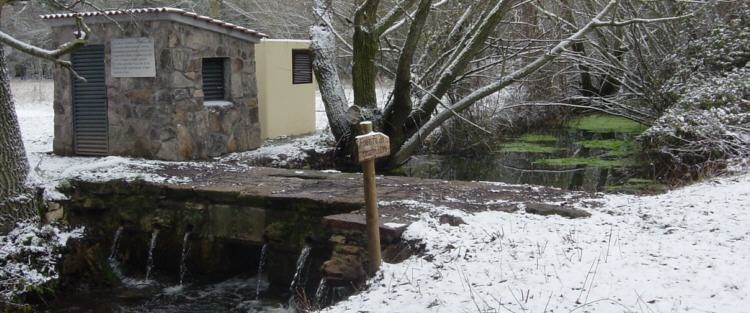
{"type": "Point", "coordinates": [321, 292]}
{"type": "Point", "coordinates": [261, 263]}
{"type": "Point", "coordinates": [183, 258]}
{"type": "Point", "coordinates": [150, 263]}
{"type": "Point", "coordinates": [300, 276]}
{"type": "Point", "coordinates": [115, 245]}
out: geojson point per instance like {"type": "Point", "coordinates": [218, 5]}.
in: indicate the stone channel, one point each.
{"type": "Point", "coordinates": [230, 215]}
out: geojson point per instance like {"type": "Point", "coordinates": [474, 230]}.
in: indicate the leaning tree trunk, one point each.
{"type": "Point", "coordinates": [16, 200]}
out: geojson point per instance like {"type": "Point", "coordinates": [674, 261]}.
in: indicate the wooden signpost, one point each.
{"type": "Point", "coordinates": [370, 146]}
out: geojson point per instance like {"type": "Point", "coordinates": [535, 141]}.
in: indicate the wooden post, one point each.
{"type": "Point", "coordinates": [371, 146]}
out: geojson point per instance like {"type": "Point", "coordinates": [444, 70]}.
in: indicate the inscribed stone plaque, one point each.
{"type": "Point", "coordinates": [133, 57]}
{"type": "Point", "coordinates": [372, 146]}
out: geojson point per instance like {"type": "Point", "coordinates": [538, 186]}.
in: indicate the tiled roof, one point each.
{"type": "Point", "coordinates": [182, 12]}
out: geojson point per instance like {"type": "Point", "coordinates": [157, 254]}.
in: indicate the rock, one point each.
{"type": "Point", "coordinates": [337, 239]}
{"type": "Point", "coordinates": [344, 268]}
{"type": "Point", "coordinates": [551, 209]}
{"type": "Point", "coordinates": [358, 223]}
{"type": "Point", "coordinates": [397, 253]}
{"type": "Point", "coordinates": [451, 220]}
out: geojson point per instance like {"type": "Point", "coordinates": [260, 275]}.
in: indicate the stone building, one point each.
{"type": "Point", "coordinates": [167, 84]}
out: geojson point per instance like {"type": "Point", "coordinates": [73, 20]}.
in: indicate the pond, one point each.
{"type": "Point", "coordinates": [593, 153]}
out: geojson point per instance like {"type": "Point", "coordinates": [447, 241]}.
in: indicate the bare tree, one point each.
{"type": "Point", "coordinates": [17, 201]}
{"type": "Point", "coordinates": [445, 65]}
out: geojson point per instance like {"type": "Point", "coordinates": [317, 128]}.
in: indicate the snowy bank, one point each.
{"type": "Point", "coordinates": [684, 251]}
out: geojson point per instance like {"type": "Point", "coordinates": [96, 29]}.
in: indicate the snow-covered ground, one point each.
{"type": "Point", "coordinates": [683, 251]}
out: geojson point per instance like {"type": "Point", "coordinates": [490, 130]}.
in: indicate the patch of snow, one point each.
{"type": "Point", "coordinates": [683, 251]}
{"type": "Point", "coordinates": [394, 225]}
{"type": "Point", "coordinates": [29, 254]}
{"type": "Point", "coordinates": [283, 150]}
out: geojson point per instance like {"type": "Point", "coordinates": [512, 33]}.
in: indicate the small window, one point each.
{"type": "Point", "coordinates": [213, 79]}
{"type": "Point", "coordinates": [301, 67]}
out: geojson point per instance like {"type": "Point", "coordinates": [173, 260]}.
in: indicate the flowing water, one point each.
{"type": "Point", "coordinates": [261, 263]}
{"type": "Point", "coordinates": [326, 294]}
{"type": "Point", "coordinates": [300, 277]}
{"type": "Point", "coordinates": [300, 272]}
{"type": "Point", "coordinates": [593, 153]}
{"type": "Point", "coordinates": [115, 245]}
{"type": "Point", "coordinates": [160, 293]}
{"type": "Point", "coordinates": [231, 295]}
{"type": "Point", "coordinates": [183, 257]}
{"type": "Point", "coordinates": [152, 245]}
{"type": "Point", "coordinates": [321, 292]}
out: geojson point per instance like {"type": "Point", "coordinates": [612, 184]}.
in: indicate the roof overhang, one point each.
{"type": "Point", "coordinates": [156, 14]}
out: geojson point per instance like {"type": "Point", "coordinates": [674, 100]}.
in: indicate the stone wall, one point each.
{"type": "Point", "coordinates": [164, 117]}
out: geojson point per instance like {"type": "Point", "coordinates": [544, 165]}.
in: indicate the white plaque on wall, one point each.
{"type": "Point", "coordinates": [133, 57]}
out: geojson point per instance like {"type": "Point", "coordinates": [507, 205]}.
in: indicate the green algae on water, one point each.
{"type": "Point", "coordinates": [576, 161]}
{"type": "Point", "coordinates": [538, 138]}
{"type": "Point", "coordinates": [527, 147]}
{"type": "Point", "coordinates": [601, 123]}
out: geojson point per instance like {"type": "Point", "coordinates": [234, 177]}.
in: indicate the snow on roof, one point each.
{"type": "Point", "coordinates": [150, 11]}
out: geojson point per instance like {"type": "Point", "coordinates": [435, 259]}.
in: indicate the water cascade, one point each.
{"type": "Point", "coordinates": [261, 263]}
{"type": "Point", "coordinates": [183, 258]}
{"type": "Point", "coordinates": [300, 275]}
{"type": "Point", "coordinates": [152, 245]}
{"type": "Point", "coordinates": [115, 245]}
{"type": "Point", "coordinates": [321, 292]}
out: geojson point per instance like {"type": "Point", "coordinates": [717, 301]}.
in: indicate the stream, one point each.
{"type": "Point", "coordinates": [591, 153]}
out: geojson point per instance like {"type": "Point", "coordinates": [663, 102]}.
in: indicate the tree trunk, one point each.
{"type": "Point", "coordinates": [364, 71]}
{"type": "Point", "coordinates": [395, 115]}
{"type": "Point", "coordinates": [16, 200]}
{"type": "Point", "coordinates": [323, 48]}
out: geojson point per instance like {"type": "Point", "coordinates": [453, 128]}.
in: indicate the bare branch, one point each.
{"type": "Point", "coordinates": [599, 23]}
{"type": "Point", "coordinates": [52, 55]}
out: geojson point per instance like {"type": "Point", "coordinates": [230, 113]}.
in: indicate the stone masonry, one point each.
{"type": "Point", "coordinates": [165, 117]}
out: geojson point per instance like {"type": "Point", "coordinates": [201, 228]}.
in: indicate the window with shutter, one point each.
{"type": "Point", "coordinates": [213, 79]}
{"type": "Point", "coordinates": [301, 67]}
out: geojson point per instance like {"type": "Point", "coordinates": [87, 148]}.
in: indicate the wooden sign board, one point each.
{"type": "Point", "coordinates": [133, 57]}
{"type": "Point", "coordinates": [372, 146]}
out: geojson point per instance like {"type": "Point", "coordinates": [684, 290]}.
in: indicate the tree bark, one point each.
{"type": "Point", "coordinates": [364, 70]}
{"type": "Point", "coordinates": [16, 200]}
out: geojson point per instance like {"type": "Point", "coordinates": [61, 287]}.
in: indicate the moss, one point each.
{"type": "Point", "coordinates": [538, 138]}
{"type": "Point", "coordinates": [574, 161]}
{"type": "Point", "coordinates": [600, 123]}
{"type": "Point", "coordinates": [293, 226]}
{"type": "Point", "coordinates": [527, 147]}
